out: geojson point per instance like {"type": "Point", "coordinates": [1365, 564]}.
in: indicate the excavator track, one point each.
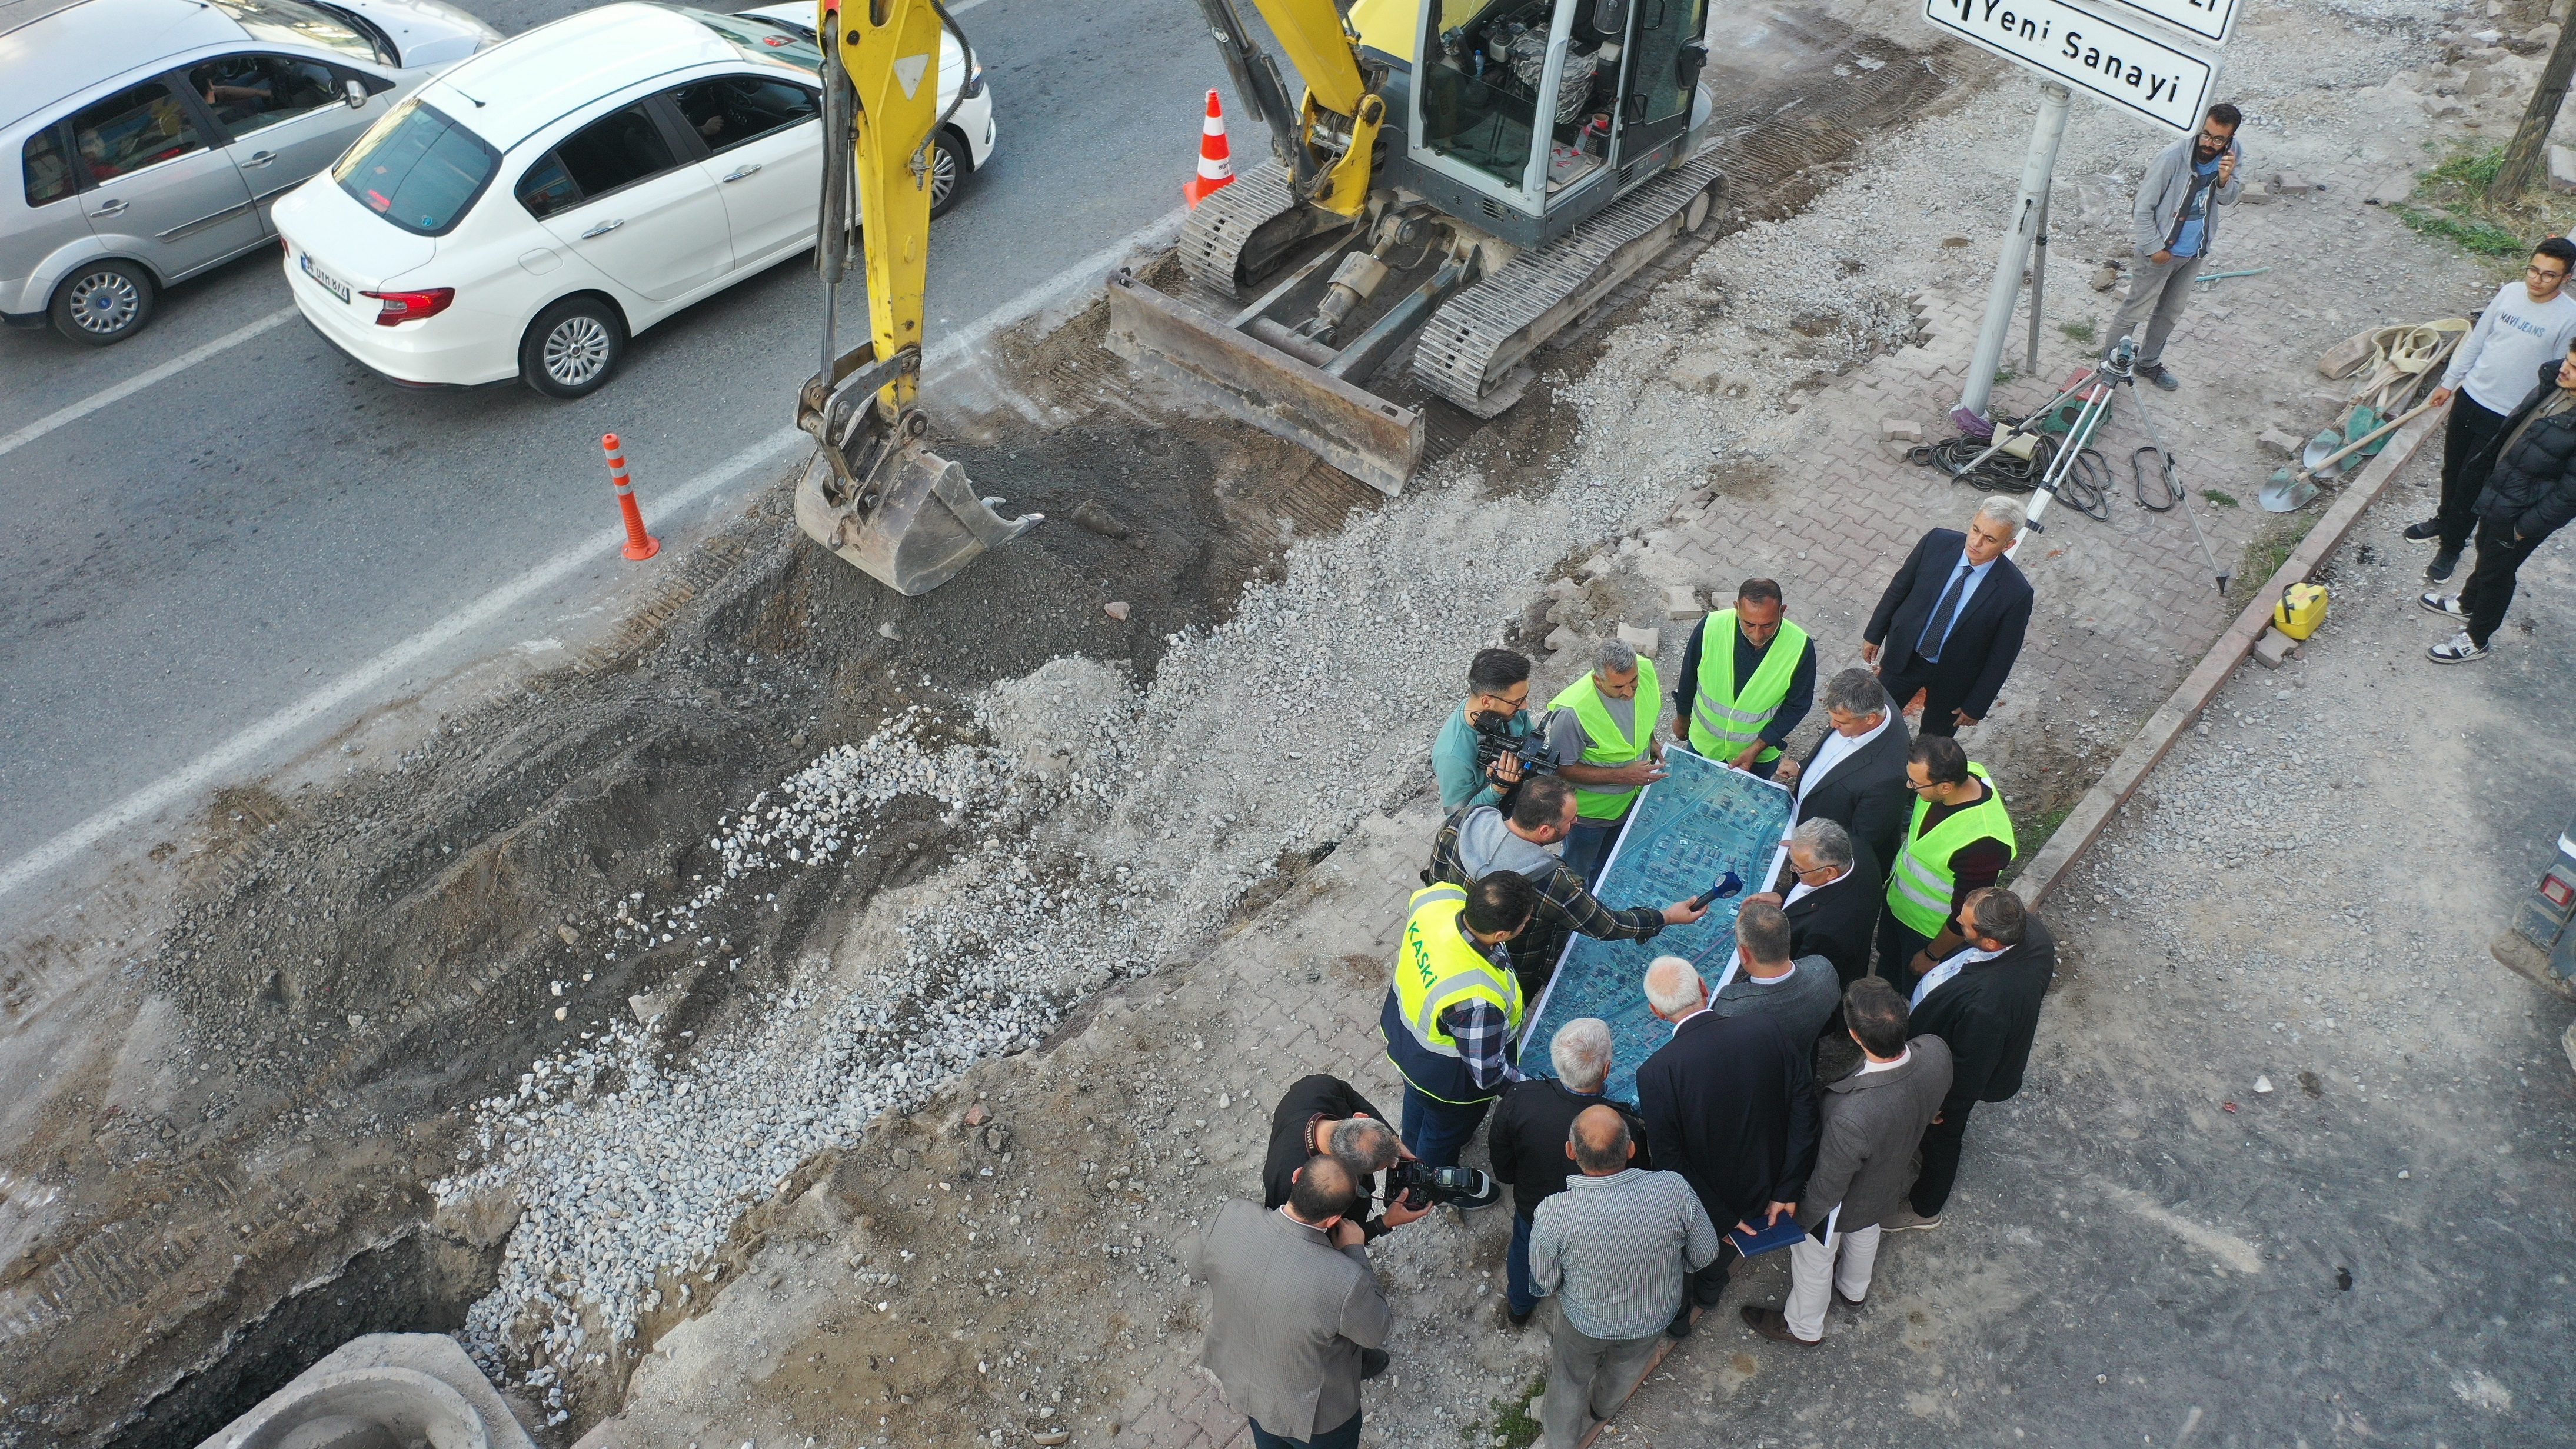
{"type": "Point", "coordinates": [1227, 230]}
{"type": "Point", "coordinates": [1471, 350]}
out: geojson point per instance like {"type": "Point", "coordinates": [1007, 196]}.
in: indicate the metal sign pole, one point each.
{"type": "Point", "coordinates": [2036, 167]}
{"type": "Point", "coordinates": [2038, 285]}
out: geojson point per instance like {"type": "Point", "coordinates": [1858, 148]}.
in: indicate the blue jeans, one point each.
{"type": "Point", "coordinates": [1516, 1277]}
{"type": "Point", "coordinates": [1586, 847]}
{"type": "Point", "coordinates": [1346, 1436]}
{"type": "Point", "coordinates": [1435, 1131]}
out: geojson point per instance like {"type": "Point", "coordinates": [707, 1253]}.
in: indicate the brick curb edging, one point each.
{"type": "Point", "coordinates": [2083, 825]}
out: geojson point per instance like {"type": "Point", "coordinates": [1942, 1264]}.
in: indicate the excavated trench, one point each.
{"type": "Point", "coordinates": [355, 968]}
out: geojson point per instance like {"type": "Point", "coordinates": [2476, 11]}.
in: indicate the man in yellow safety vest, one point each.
{"type": "Point", "coordinates": [1454, 1008]}
{"type": "Point", "coordinates": [1748, 678]}
{"type": "Point", "coordinates": [1958, 841]}
{"type": "Point", "coordinates": [1604, 750]}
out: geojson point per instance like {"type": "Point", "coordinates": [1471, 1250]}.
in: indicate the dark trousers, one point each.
{"type": "Point", "coordinates": [1516, 1274]}
{"type": "Point", "coordinates": [1345, 1437]}
{"type": "Point", "coordinates": [1943, 692]}
{"type": "Point", "coordinates": [1897, 943]}
{"type": "Point", "coordinates": [1436, 1131]}
{"type": "Point", "coordinates": [2489, 591]}
{"type": "Point", "coordinates": [1708, 1284]}
{"type": "Point", "coordinates": [2468, 456]}
{"type": "Point", "coordinates": [1940, 1159]}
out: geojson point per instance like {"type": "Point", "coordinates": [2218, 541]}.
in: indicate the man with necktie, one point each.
{"type": "Point", "coordinates": [1950, 624]}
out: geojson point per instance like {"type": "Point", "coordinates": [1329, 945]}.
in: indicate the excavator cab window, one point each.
{"type": "Point", "coordinates": [1493, 65]}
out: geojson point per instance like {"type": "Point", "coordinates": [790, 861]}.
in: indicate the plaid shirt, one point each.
{"type": "Point", "coordinates": [1484, 1043]}
{"type": "Point", "coordinates": [1564, 907]}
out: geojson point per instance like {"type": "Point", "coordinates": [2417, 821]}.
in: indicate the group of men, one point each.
{"type": "Point", "coordinates": [1885, 927]}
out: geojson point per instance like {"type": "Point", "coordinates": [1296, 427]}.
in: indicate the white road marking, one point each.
{"type": "Point", "coordinates": [109, 397]}
{"type": "Point", "coordinates": [209, 768]}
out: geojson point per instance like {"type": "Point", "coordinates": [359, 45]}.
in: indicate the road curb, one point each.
{"type": "Point", "coordinates": [2083, 825]}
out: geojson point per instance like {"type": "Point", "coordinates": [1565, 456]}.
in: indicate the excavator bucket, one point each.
{"type": "Point", "coordinates": [1347, 426]}
{"type": "Point", "coordinates": [873, 494]}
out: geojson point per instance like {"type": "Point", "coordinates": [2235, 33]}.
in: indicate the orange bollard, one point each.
{"type": "Point", "coordinates": [639, 544]}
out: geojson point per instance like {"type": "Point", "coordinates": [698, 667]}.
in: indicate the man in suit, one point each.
{"type": "Point", "coordinates": [1870, 1120]}
{"type": "Point", "coordinates": [1528, 1140]}
{"type": "Point", "coordinates": [1855, 776]}
{"type": "Point", "coordinates": [1983, 1002]}
{"type": "Point", "coordinates": [1799, 990]}
{"type": "Point", "coordinates": [1829, 890]}
{"type": "Point", "coordinates": [1292, 1304]}
{"type": "Point", "coordinates": [1730, 1104]}
{"type": "Point", "coordinates": [1951, 620]}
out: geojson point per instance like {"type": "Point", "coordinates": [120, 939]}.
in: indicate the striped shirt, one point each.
{"type": "Point", "coordinates": [1613, 1250]}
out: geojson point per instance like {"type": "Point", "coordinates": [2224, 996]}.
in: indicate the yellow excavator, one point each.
{"type": "Point", "coordinates": [1463, 178]}
{"type": "Point", "coordinates": [873, 492]}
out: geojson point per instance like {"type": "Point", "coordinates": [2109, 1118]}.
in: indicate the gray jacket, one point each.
{"type": "Point", "coordinates": [1803, 1002]}
{"type": "Point", "coordinates": [2156, 214]}
{"type": "Point", "coordinates": [1486, 844]}
{"type": "Point", "coordinates": [1865, 1147]}
{"type": "Point", "coordinates": [1287, 1318]}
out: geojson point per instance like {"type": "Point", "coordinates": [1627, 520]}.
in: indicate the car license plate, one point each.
{"type": "Point", "coordinates": [331, 284]}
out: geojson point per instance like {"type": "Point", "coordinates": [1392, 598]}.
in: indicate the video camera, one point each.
{"type": "Point", "coordinates": [1418, 1186]}
{"type": "Point", "coordinates": [1494, 740]}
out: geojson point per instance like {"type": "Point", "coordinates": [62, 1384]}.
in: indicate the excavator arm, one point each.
{"type": "Point", "coordinates": [1330, 144]}
{"type": "Point", "coordinates": [872, 492]}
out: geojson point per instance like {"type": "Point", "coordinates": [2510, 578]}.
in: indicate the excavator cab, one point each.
{"type": "Point", "coordinates": [1460, 180]}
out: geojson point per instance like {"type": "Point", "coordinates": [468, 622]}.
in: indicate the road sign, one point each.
{"type": "Point", "coordinates": [2210, 18]}
{"type": "Point", "coordinates": [2157, 76]}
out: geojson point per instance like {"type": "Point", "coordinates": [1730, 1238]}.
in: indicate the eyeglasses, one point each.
{"type": "Point", "coordinates": [1926, 785]}
{"type": "Point", "coordinates": [2542, 273]}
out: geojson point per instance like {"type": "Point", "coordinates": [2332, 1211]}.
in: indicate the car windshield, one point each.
{"type": "Point", "coordinates": [291, 22]}
{"type": "Point", "coordinates": [759, 35]}
{"type": "Point", "coordinates": [418, 169]}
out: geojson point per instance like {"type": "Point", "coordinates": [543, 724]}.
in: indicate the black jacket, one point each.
{"type": "Point", "coordinates": [2532, 489]}
{"type": "Point", "coordinates": [1866, 793]}
{"type": "Point", "coordinates": [1730, 1104]}
{"type": "Point", "coordinates": [1984, 640]}
{"type": "Point", "coordinates": [1987, 1014]}
{"type": "Point", "coordinates": [1528, 1137]}
{"type": "Point", "coordinates": [1839, 921]}
{"type": "Point", "coordinates": [1306, 1099]}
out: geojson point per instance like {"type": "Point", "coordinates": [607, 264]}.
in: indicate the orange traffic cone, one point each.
{"type": "Point", "coordinates": [1216, 163]}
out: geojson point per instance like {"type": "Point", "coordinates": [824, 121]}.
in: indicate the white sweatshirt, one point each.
{"type": "Point", "coordinates": [2497, 364]}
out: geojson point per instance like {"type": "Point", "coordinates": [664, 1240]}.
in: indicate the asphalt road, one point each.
{"type": "Point", "coordinates": [181, 566]}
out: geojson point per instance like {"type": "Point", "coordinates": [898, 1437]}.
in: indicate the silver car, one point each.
{"type": "Point", "coordinates": [150, 136]}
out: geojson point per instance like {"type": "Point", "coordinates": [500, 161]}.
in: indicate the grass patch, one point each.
{"type": "Point", "coordinates": [2450, 204]}
{"type": "Point", "coordinates": [2005, 376]}
{"type": "Point", "coordinates": [2079, 331]}
{"type": "Point", "coordinates": [2219, 497]}
{"type": "Point", "coordinates": [2266, 551]}
{"type": "Point", "coordinates": [1513, 1427]}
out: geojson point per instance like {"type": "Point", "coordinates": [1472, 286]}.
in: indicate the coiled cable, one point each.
{"type": "Point", "coordinates": [2086, 487]}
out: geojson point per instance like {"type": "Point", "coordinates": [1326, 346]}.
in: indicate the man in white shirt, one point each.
{"type": "Point", "coordinates": [2529, 323]}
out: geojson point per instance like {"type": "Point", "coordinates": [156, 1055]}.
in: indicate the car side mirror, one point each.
{"type": "Point", "coordinates": [1610, 18]}
{"type": "Point", "coordinates": [354, 91]}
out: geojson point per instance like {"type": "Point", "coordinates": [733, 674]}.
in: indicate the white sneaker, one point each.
{"type": "Point", "coordinates": [2458, 649]}
{"type": "Point", "coordinates": [2446, 605]}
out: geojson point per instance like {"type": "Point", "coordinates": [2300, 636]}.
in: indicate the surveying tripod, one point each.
{"type": "Point", "coordinates": [2115, 370]}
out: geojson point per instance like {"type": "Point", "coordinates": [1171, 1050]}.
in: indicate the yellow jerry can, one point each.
{"type": "Point", "coordinates": [2301, 610]}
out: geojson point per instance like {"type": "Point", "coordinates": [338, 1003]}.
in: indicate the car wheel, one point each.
{"type": "Point", "coordinates": [103, 303]}
{"type": "Point", "coordinates": [948, 168]}
{"type": "Point", "coordinates": [572, 347]}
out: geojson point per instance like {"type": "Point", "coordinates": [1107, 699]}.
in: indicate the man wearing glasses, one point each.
{"type": "Point", "coordinates": [1497, 703]}
{"type": "Point", "coordinates": [2175, 218]}
{"type": "Point", "coordinates": [2527, 326]}
{"type": "Point", "coordinates": [1957, 844]}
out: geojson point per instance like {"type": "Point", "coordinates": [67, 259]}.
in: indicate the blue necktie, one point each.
{"type": "Point", "coordinates": [1944, 614]}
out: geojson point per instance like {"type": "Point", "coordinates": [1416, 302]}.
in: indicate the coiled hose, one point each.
{"type": "Point", "coordinates": [2086, 488]}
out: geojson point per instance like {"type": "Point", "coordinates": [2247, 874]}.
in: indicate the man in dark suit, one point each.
{"type": "Point", "coordinates": [1983, 1001]}
{"type": "Point", "coordinates": [1829, 889]}
{"type": "Point", "coordinates": [1528, 1140]}
{"type": "Point", "coordinates": [1951, 620]}
{"type": "Point", "coordinates": [1730, 1104]}
{"type": "Point", "coordinates": [1855, 776]}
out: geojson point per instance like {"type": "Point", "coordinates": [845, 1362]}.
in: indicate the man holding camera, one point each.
{"type": "Point", "coordinates": [1453, 1009]}
{"type": "Point", "coordinates": [1747, 679]}
{"type": "Point", "coordinates": [1292, 1309]}
{"type": "Point", "coordinates": [1603, 750]}
{"type": "Point", "coordinates": [1480, 840]}
{"type": "Point", "coordinates": [1496, 707]}
{"type": "Point", "coordinates": [1326, 1116]}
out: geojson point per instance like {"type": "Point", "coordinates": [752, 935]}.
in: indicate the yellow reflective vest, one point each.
{"type": "Point", "coordinates": [1436, 967]}
{"type": "Point", "coordinates": [1724, 720]}
{"type": "Point", "coordinates": [1920, 887]}
{"type": "Point", "coordinates": [1604, 744]}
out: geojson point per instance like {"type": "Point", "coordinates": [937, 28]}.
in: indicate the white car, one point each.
{"type": "Point", "coordinates": [531, 209]}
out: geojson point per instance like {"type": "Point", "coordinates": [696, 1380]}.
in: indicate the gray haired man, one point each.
{"type": "Point", "coordinates": [1947, 630]}
{"type": "Point", "coordinates": [2174, 221]}
{"type": "Point", "coordinates": [1604, 750]}
{"type": "Point", "coordinates": [1527, 1139]}
{"type": "Point", "coordinates": [1829, 899]}
{"type": "Point", "coordinates": [1612, 1250]}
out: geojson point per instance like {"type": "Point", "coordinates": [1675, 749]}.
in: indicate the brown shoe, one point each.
{"type": "Point", "coordinates": [1772, 1324]}
{"type": "Point", "coordinates": [1847, 1302]}
{"type": "Point", "coordinates": [1906, 1219]}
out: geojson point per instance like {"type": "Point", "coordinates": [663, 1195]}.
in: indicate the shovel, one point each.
{"type": "Point", "coordinates": [2288, 492]}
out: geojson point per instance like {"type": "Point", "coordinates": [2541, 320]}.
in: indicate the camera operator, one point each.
{"type": "Point", "coordinates": [1326, 1116]}
{"type": "Point", "coordinates": [1496, 706]}
{"type": "Point", "coordinates": [1482, 839]}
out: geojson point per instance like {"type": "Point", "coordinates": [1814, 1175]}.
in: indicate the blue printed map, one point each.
{"type": "Point", "coordinates": [1687, 830]}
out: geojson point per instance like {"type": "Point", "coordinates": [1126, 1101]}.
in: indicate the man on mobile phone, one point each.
{"type": "Point", "coordinates": [2175, 218]}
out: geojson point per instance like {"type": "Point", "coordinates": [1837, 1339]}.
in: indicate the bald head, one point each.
{"type": "Point", "coordinates": [1322, 1192]}
{"type": "Point", "coordinates": [1599, 1141]}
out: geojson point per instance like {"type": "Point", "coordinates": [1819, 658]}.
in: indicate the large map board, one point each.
{"type": "Point", "coordinates": [1687, 830]}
